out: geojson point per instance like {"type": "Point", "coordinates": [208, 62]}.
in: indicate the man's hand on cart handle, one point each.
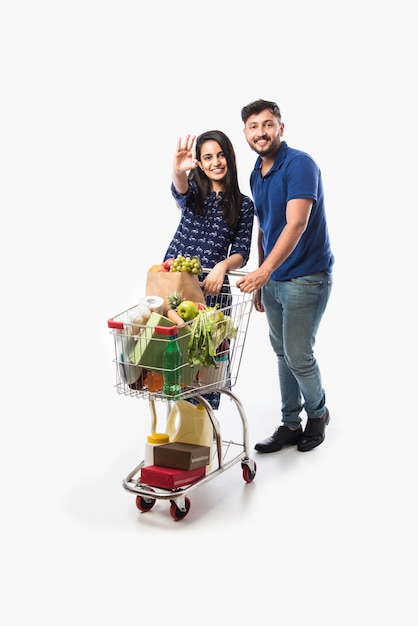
{"type": "Point", "coordinates": [253, 280]}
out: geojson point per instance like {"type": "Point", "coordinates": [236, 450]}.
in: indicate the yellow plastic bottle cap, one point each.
{"type": "Point", "coordinates": [158, 438]}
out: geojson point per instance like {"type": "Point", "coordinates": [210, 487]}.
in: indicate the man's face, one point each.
{"type": "Point", "coordinates": [263, 132]}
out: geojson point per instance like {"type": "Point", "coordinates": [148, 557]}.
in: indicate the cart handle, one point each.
{"type": "Point", "coordinates": [236, 273]}
{"type": "Point", "coordinates": [112, 323]}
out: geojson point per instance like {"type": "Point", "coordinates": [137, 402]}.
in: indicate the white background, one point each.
{"type": "Point", "coordinates": [94, 97]}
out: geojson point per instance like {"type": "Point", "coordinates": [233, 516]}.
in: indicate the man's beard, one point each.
{"type": "Point", "coordinates": [271, 148]}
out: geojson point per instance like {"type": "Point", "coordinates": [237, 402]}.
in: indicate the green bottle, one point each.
{"type": "Point", "coordinates": [172, 362]}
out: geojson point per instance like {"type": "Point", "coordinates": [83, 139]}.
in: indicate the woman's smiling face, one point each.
{"type": "Point", "coordinates": [213, 161]}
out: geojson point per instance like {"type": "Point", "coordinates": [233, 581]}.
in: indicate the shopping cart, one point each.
{"type": "Point", "coordinates": [140, 374]}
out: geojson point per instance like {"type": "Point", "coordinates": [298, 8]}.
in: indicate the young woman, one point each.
{"type": "Point", "coordinates": [216, 218]}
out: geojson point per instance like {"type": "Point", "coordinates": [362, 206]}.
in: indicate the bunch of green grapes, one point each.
{"type": "Point", "coordinates": [187, 264]}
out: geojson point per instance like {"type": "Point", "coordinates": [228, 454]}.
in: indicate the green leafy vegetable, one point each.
{"type": "Point", "coordinates": [209, 328]}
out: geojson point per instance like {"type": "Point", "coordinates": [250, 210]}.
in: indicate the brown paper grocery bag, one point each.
{"type": "Point", "coordinates": [164, 284]}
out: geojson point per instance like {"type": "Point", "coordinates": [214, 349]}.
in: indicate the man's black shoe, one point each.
{"type": "Point", "coordinates": [282, 436]}
{"type": "Point", "coordinates": [314, 433]}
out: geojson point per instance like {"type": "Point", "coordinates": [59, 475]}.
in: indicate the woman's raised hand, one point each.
{"type": "Point", "coordinates": [185, 155]}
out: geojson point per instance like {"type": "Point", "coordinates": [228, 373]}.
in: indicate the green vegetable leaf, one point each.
{"type": "Point", "coordinates": [206, 335]}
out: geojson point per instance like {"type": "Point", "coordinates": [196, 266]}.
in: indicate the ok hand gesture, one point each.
{"type": "Point", "coordinates": [185, 155]}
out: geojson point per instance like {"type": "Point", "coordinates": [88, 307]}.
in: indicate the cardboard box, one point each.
{"type": "Point", "coordinates": [179, 455]}
{"type": "Point", "coordinates": [168, 477]}
{"type": "Point", "coordinates": [149, 348]}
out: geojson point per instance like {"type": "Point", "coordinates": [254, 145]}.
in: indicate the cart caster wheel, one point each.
{"type": "Point", "coordinates": [176, 513]}
{"type": "Point", "coordinates": [144, 504]}
{"type": "Point", "coordinates": [247, 473]}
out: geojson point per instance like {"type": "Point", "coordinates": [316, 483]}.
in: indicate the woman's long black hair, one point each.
{"type": "Point", "coordinates": [232, 196]}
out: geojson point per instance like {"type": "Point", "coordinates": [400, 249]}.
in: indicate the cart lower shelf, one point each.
{"type": "Point", "coordinates": [227, 453]}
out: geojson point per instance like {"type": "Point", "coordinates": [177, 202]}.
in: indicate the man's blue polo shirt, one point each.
{"type": "Point", "coordinates": [293, 175]}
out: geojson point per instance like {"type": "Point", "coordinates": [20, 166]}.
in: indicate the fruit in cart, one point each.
{"type": "Point", "coordinates": [187, 264]}
{"type": "Point", "coordinates": [158, 267]}
{"type": "Point", "coordinates": [167, 264]}
{"type": "Point", "coordinates": [187, 310]}
{"type": "Point", "coordinates": [174, 317]}
{"type": "Point", "coordinates": [174, 299]}
{"type": "Point", "coordinates": [173, 302]}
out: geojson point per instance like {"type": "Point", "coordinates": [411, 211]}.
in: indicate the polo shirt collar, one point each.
{"type": "Point", "coordinates": [278, 161]}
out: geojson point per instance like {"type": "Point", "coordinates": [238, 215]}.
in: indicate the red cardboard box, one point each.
{"type": "Point", "coordinates": [179, 455]}
{"type": "Point", "coordinates": [168, 477]}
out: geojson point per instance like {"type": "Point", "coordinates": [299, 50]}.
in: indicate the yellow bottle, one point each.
{"type": "Point", "coordinates": [155, 439]}
{"type": "Point", "coordinates": [190, 423]}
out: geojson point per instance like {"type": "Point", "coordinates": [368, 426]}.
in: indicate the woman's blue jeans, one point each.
{"type": "Point", "coordinates": [294, 309]}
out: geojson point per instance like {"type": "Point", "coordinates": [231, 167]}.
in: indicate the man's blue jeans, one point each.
{"type": "Point", "coordinates": [294, 309]}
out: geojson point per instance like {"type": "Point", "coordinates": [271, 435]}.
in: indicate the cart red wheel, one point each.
{"type": "Point", "coordinates": [176, 513]}
{"type": "Point", "coordinates": [144, 504]}
{"type": "Point", "coordinates": [247, 473]}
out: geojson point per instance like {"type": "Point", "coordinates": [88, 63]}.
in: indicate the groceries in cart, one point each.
{"type": "Point", "coordinates": [146, 359]}
{"type": "Point", "coordinates": [175, 276]}
{"type": "Point", "coordinates": [173, 353]}
{"type": "Point", "coordinates": [178, 349]}
{"type": "Point", "coordinates": [182, 454]}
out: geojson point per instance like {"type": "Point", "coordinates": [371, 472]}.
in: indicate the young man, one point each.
{"type": "Point", "coordinates": [294, 279]}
